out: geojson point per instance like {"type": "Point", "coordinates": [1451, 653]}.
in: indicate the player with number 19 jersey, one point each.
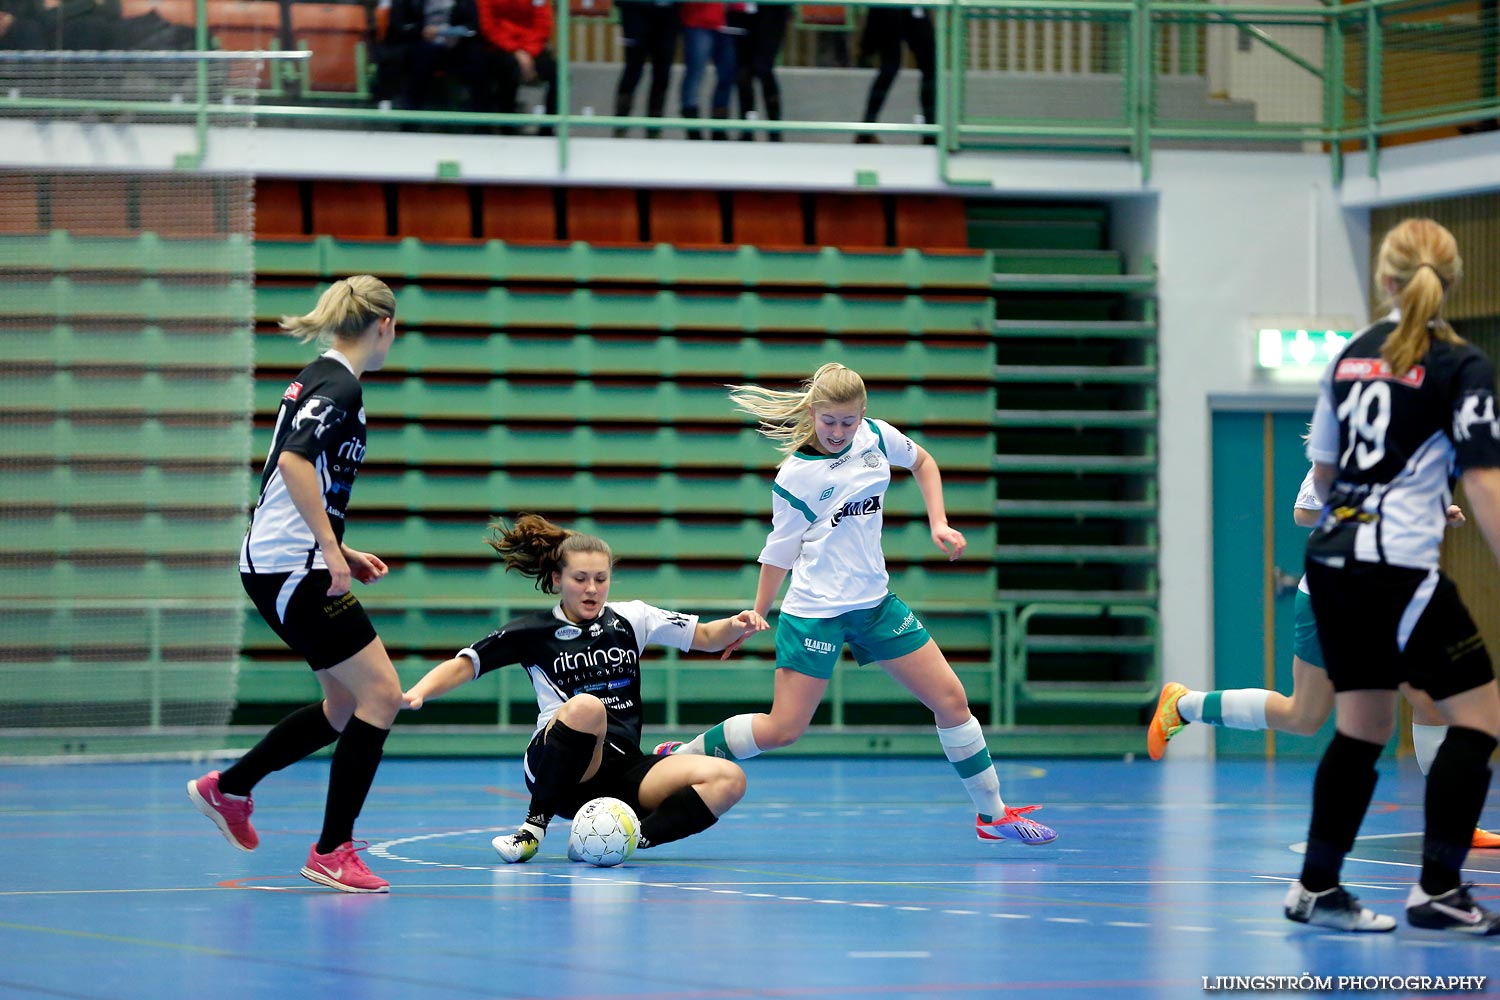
{"type": "Point", "coordinates": [1396, 443]}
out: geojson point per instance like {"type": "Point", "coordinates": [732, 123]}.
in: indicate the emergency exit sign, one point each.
{"type": "Point", "coordinates": [1298, 352]}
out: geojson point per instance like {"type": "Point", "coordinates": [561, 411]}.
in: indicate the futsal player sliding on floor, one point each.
{"type": "Point", "coordinates": [1402, 406]}
{"type": "Point", "coordinates": [584, 660]}
{"type": "Point", "coordinates": [826, 518]}
{"type": "Point", "coordinates": [1303, 712]}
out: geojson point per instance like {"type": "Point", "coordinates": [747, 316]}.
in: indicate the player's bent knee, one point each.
{"type": "Point", "coordinates": [584, 712]}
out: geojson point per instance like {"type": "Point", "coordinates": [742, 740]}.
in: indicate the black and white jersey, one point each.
{"type": "Point", "coordinates": [322, 418]}
{"type": "Point", "coordinates": [601, 658]}
{"type": "Point", "coordinates": [1396, 443]}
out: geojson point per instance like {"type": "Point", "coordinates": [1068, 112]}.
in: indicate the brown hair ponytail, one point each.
{"type": "Point", "coordinates": [537, 548]}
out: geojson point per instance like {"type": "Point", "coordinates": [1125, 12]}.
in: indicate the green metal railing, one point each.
{"type": "Point", "coordinates": [1330, 77]}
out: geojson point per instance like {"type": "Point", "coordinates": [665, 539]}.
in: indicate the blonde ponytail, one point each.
{"type": "Point", "coordinates": [1420, 259]}
{"type": "Point", "coordinates": [537, 548]}
{"type": "Point", "coordinates": [344, 312]}
{"type": "Point", "coordinates": [785, 416]}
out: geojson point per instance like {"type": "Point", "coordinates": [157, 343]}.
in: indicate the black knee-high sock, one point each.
{"type": "Point", "coordinates": [557, 766]}
{"type": "Point", "coordinates": [355, 760]}
{"type": "Point", "coordinates": [304, 732]}
{"type": "Point", "coordinates": [1341, 795]}
{"type": "Point", "coordinates": [681, 814]}
{"type": "Point", "coordinates": [1456, 786]}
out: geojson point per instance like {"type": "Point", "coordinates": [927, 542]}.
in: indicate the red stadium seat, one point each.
{"type": "Point", "coordinates": [172, 11]}
{"type": "Point", "coordinates": [349, 209]}
{"type": "Point", "coordinates": [850, 221]}
{"type": "Point", "coordinates": [603, 215]}
{"type": "Point", "coordinates": [91, 205]}
{"type": "Point", "coordinates": [686, 218]}
{"type": "Point", "coordinates": [336, 34]}
{"type": "Point", "coordinates": [931, 222]}
{"type": "Point", "coordinates": [180, 206]}
{"type": "Point", "coordinates": [278, 210]}
{"type": "Point", "coordinates": [18, 205]}
{"type": "Point", "coordinates": [768, 219]}
{"type": "Point", "coordinates": [588, 8]}
{"type": "Point", "coordinates": [518, 214]}
{"type": "Point", "coordinates": [434, 212]}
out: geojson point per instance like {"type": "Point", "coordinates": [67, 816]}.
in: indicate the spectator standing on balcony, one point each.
{"type": "Point", "coordinates": [429, 37]}
{"type": "Point", "coordinates": [22, 26]}
{"type": "Point", "coordinates": [886, 30]}
{"type": "Point", "coordinates": [516, 34]}
{"type": "Point", "coordinates": [762, 28]}
{"type": "Point", "coordinates": [706, 35]}
{"type": "Point", "coordinates": [650, 31]}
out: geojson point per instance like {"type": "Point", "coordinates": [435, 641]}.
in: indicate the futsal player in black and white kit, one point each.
{"type": "Point", "coordinates": [584, 660]}
{"type": "Point", "coordinates": [1404, 404]}
{"type": "Point", "coordinates": [296, 568]}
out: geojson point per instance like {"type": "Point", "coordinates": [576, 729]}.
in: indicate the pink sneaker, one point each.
{"type": "Point", "coordinates": [666, 749]}
{"type": "Point", "coordinates": [231, 816]}
{"type": "Point", "coordinates": [342, 869]}
{"type": "Point", "coordinates": [1015, 826]}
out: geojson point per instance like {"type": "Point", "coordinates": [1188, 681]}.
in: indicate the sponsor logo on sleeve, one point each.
{"type": "Point", "coordinates": [320, 411]}
{"type": "Point", "coordinates": [293, 390]}
{"type": "Point", "coordinates": [1476, 411]}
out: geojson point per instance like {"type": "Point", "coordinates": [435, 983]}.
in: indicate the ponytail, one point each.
{"type": "Point", "coordinates": [344, 312]}
{"type": "Point", "coordinates": [785, 416]}
{"type": "Point", "coordinates": [537, 548]}
{"type": "Point", "coordinates": [1418, 263]}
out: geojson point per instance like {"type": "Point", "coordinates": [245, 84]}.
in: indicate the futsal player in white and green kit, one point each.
{"type": "Point", "coordinates": [827, 514]}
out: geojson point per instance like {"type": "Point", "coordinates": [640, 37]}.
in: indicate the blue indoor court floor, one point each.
{"type": "Point", "coordinates": [834, 878]}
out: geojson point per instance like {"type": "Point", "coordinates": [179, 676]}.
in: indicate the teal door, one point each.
{"type": "Point", "coordinates": [1258, 465]}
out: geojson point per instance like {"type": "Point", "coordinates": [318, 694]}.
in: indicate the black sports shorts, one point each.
{"type": "Point", "coordinates": [1381, 625]}
{"type": "Point", "coordinates": [323, 630]}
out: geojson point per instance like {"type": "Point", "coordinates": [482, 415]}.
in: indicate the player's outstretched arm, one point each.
{"type": "Point", "coordinates": [439, 681]}
{"type": "Point", "coordinates": [716, 635]}
{"type": "Point", "coordinates": [930, 482]}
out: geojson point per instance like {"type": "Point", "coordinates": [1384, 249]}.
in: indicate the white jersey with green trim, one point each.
{"type": "Point", "coordinates": [826, 520]}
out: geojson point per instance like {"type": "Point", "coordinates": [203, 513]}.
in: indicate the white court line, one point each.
{"type": "Point", "coordinates": [890, 954]}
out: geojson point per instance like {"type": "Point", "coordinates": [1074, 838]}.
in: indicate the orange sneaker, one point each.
{"type": "Point", "coordinates": [1166, 723]}
{"type": "Point", "coordinates": [1483, 838]}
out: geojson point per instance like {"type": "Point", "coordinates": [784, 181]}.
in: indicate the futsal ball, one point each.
{"type": "Point", "coordinates": [605, 832]}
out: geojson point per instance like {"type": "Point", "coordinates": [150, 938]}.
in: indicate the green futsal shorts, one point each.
{"type": "Point", "coordinates": [811, 646]}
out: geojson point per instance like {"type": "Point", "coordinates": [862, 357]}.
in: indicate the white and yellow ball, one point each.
{"type": "Point", "coordinates": [605, 832]}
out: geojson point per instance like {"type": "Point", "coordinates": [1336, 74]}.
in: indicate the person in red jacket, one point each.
{"type": "Point", "coordinates": [516, 35]}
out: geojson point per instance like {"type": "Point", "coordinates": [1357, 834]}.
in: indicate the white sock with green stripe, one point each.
{"type": "Point", "coordinates": [733, 739]}
{"type": "Point", "coordinates": [1241, 708]}
{"type": "Point", "coordinates": [965, 747]}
